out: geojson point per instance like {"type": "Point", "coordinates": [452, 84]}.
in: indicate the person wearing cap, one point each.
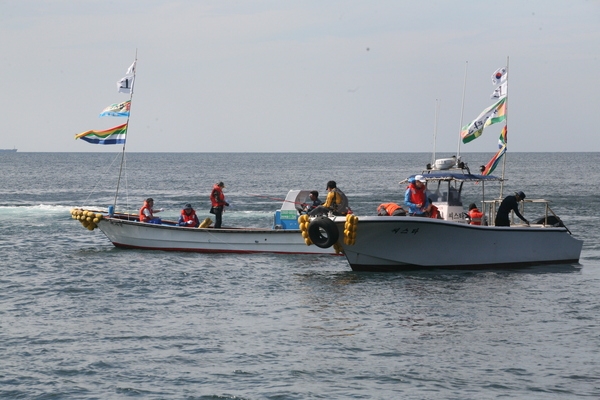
{"type": "Point", "coordinates": [510, 203]}
{"type": "Point", "coordinates": [336, 202]}
{"type": "Point", "coordinates": [188, 217]}
{"type": "Point", "coordinates": [475, 215]}
{"type": "Point", "coordinates": [217, 201]}
{"type": "Point", "coordinates": [415, 197]}
{"type": "Point", "coordinates": [147, 211]}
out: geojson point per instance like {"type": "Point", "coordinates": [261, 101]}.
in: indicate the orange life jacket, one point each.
{"type": "Point", "coordinates": [191, 217]}
{"type": "Point", "coordinates": [475, 216]}
{"type": "Point", "coordinates": [217, 198]}
{"type": "Point", "coordinates": [143, 217]}
{"type": "Point", "coordinates": [389, 207]}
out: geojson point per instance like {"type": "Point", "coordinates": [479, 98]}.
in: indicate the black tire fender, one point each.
{"type": "Point", "coordinates": [323, 232]}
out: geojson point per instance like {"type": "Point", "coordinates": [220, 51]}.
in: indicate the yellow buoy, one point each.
{"type": "Point", "coordinates": [206, 223]}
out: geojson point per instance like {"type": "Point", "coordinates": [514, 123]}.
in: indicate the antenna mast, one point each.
{"type": "Point", "coordinates": [134, 65]}
{"type": "Point", "coordinates": [462, 110]}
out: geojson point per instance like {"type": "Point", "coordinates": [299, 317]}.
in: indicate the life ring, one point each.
{"type": "Point", "coordinates": [323, 232]}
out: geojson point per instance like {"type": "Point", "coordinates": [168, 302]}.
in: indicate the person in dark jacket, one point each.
{"type": "Point", "coordinates": [316, 202]}
{"type": "Point", "coordinates": [510, 203]}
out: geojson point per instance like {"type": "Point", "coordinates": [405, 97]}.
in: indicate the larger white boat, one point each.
{"type": "Point", "coordinates": [125, 231]}
{"type": "Point", "coordinates": [410, 243]}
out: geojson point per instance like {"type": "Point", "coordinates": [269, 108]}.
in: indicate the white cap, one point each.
{"type": "Point", "coordinates": [420, 178]}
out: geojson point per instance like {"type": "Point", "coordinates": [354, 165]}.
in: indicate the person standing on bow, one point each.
{"type": "Point", "coordinates": [475, 215]}
{"type": "Point", "coordinates": [217, 201]}
{"type": "Point", "coordinates": [336, 202]}
{"type": "Point", "coordinates": [415, 197]}
{"type": "Point", "coordinates": [147, 212]}
{"type": "Point", "coordinates": [510, 203]}
{"type": "Point", "coordinates": [188, 217]}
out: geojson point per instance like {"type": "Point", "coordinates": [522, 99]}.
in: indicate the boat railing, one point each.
{"type": "Point", "coordinates": [548, 219]}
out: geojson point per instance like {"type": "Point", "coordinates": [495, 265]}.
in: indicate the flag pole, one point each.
{"type": "Point", "coordinates": [125, 142]}
{"type": "Point", "coordinates": [462, 110]}
{"type": "Point", "coordinates": [505, 127]}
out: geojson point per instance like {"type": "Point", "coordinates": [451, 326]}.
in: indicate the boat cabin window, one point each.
{"type": "Point", "coordinates": [433, 191]}
{"type": "Point", "coordinates": [448, 192]}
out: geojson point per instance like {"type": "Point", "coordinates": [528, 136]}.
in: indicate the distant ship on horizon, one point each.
{"type": "Point", "coordinates": [8, 150]}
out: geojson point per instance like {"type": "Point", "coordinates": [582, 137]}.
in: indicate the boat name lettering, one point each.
{"type": "Point", "coordinates": [457, 216]}
{"type": "Point", "coordinates": [404, 231]}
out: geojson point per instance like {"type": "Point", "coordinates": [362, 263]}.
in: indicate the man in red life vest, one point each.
{"type": "Point", "coordinates": [217, 200]}
{"type": "Point", "coordinates": [432, 211]}
{"type": "Point", "coordinates": [147, 212]}
{"type": "Point", "coordinates": [188, 217]}
{"type": "Point", "coordinates": [415, 198]}
{"type": "Point", "coordinates": [475, 215]}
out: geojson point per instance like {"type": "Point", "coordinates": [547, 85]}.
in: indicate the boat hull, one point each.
{"type": "Point", "coordinates": [410, 243]}
{"type": "Point", "coordinates": [136, 235]}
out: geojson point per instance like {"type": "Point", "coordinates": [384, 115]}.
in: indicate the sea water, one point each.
{"type": "Point", "coordinates": [81, 319]}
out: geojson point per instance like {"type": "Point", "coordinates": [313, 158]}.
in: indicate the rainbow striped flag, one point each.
{"type": "Point", "coordinates": [493, 163]}
{"type": "Point", "coordinates": [114, 135]}
{"type": "Point", "coordinates": [502, 140]}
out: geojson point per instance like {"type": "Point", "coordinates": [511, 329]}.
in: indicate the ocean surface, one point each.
{"type": "Point", "coordinates": [81, 319]}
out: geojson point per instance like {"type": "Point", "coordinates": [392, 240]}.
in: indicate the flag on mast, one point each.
{"type": "Point", "coordinates": [503, 139]}
{"type": "Point", "coordinates": [500, 91]}
{"type": "Point", "coordinates": [493, 163]}
{"type": "Point", "coordinates": [499, 76]}
{"type": "Point", "coordinates": [491, 115]}
{"type": "Point", "coordinates": [125, 85]}
{"type": "Point", "coordinates": [117, 110]}
{"type": "Point", "coordinates": [116, 135]}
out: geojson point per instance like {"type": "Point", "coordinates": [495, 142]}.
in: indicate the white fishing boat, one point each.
{"type": "Point", "coordinates": [283, 237]}
{"type": "Point", "coordinates": [409, 243]}
{"type": "Point", "coordinates": [125, 230]}
{"type": "Point", "coordinates": [395, 243]}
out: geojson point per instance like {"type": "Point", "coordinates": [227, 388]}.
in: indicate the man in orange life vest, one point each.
{"type": "Point", "coordinates": [390, 210]}
{"type": "Point", "coordinates": [475, 215]}
{"type": "Point", "coordinates": [415, 198]}
{"type": "Point", "coordinates": [147, 212]}
{"type": "Point", "coordinates": [217, 200]}
{"type": "Point", "coordinates": [188, 217]}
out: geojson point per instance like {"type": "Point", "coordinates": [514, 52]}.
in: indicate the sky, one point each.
{"type": "Point", "coordinates": [299, 76]}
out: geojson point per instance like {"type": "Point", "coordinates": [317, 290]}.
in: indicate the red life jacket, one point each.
{"type": "Point", "coordinates": [217, 198]}
{"type": "Point", "coordinates": [143, 217]}
{"type": "Point", "coordinates": [434, 212]}
{"type": "Point", "coordinates": [417, 196]}
{"type": "Point", "coordinates": [475, 216]}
